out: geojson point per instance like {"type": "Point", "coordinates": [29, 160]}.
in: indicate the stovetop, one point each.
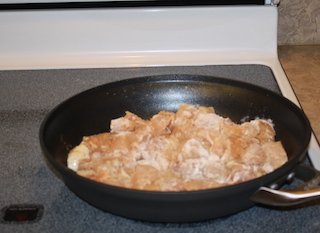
{"type": "Point", "coordinates": [26, 96]}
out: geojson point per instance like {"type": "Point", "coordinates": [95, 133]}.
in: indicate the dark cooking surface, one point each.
{"type": "Point", "coordinates": [26, 96]}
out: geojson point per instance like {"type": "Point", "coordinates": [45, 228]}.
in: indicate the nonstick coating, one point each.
{"type": "Point", "coordinates": [90, 112]}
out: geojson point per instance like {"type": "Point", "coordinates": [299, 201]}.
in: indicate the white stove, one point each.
{"type": "Point", "coordinates": [51, 51]}
{"type": "Point", "coordinates": [150, 36]}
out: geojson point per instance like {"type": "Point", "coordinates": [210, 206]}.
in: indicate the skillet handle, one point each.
{"type": "Point", "coordinates": [309, 191]}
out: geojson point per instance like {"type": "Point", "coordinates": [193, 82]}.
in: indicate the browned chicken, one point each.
{"type": "Point", "coordinates": [191, 149]}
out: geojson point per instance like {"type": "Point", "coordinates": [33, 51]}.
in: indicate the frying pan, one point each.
{"type": "Point", "coordinates": [91, 111]}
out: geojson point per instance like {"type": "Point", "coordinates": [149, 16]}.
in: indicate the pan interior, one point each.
{"type": "Point", "coordinates": [90, 112]}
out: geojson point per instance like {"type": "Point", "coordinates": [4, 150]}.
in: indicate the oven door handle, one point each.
{"type": "Point", "coordinates": [307, 192]}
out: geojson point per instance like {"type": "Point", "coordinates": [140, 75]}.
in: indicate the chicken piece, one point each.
{"type": "Point", "coordinates": [193, 149]}
{"type": "Point", "coordinates": [275, 155]}
{"type": "Point", "coordinates": [169, 181]}
{"type": "Point", "coordinates": [253, 155]}
{"type": "Point", "coordinates": [129, 122]}
{"type": "Point", "coordinates": [241, 173]}
{"type": "Point", "coordinates": [192, 185]}
{"type": "Point", "coordinates": [209, 121]}
{"type": "Point", "coordinates": [77, 154]}
{"type": "Point", "coordinates": [162, 123]}
{"type": "Point", "coordinates": [266, 132]}
{"type": "Point", "coordinates": [144, 177]}
{"type": "Point", "coordinates": [215, 171]}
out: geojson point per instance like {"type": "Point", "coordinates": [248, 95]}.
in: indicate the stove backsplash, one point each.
{"type": "Point", "coordinates": [299, 22]}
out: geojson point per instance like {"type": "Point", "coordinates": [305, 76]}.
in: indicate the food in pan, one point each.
{"type": "Point", "coordinates": [191, 149]}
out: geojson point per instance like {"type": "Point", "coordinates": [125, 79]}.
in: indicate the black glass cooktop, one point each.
{"type": "Point", "coordinates": [34, 199]}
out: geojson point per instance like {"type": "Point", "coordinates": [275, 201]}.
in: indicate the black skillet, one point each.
{"type": "Point", "coordinates": [90, 112]}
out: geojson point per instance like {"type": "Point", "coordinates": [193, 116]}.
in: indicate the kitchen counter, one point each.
{"type": "Point", "coordinates": [302, 66]}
